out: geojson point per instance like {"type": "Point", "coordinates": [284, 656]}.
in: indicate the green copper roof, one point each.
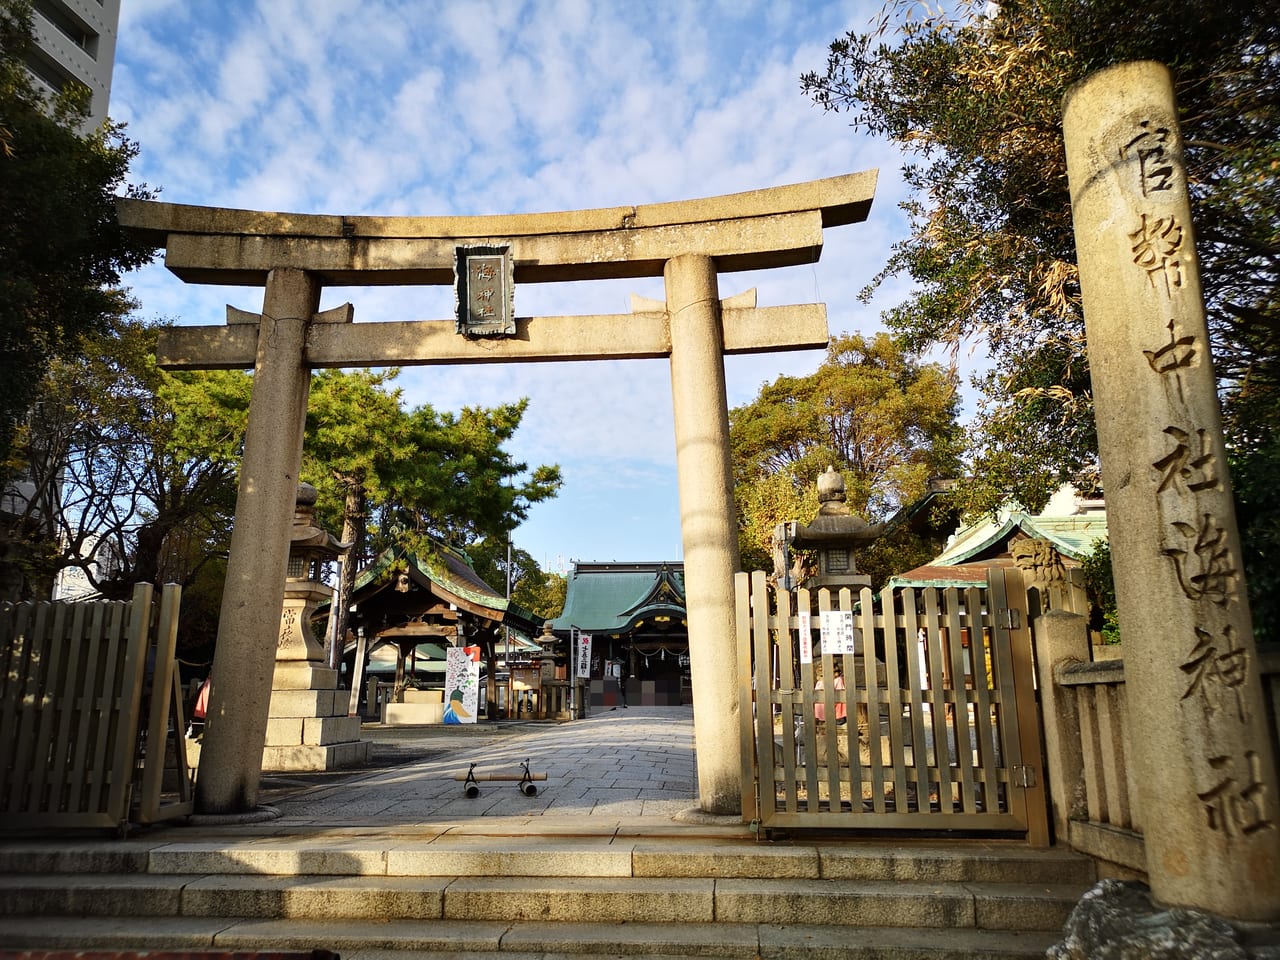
{"type": "Point", "coordinates": [450, 569]}
{"type": "Point", "coordinates": [1073, 536]}
{"type": "Point", "coordinates": [985, 543]}
{"type": "Point", "coordinates": [613, 597]}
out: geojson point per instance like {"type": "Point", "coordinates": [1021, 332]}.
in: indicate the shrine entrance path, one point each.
{"type": "Point", "coordinates": [615, 765]}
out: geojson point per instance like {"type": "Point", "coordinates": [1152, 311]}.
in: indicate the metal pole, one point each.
{"type": "Point", "coordinates": [575, 638]}
{"type": "Point", "coordinates": [508, 627]}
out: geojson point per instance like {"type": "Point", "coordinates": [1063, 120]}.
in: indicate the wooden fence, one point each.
{"type": "Point", "coordinates": [90, 711]}
{"type": "Point", "coordinates": [930, 722]}
{"type": "Point", "coordinates": [558, 700]}
{"type": "Point", "coordinates": [1098, 810]}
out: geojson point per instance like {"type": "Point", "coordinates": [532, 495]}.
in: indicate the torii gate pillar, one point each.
{"type": "Point", "coordinates": [259, 556]}
{"type": "Point", "coordinates": [708, 532]}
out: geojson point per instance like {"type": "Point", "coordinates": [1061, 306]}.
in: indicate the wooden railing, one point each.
{"type": "Point", "coordinates": [557, 701]}
{"type": "Point", "coordinates": [1096, 807]}
{"type": "Point", "coordinates": [91, 713]}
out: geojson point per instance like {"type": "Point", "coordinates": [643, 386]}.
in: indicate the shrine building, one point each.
{"type": "Point", "coordinates": [421, 604]}
{"type": "Point", "coordinates": [1065, 531]}
{"type": "Point", "coordinates": [635, 616]}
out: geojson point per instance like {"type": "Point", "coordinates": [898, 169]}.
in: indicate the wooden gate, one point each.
{"type": "Point", "coordinates": [91, 713]}
{"type": "Point", "coordinates": [911, 710]}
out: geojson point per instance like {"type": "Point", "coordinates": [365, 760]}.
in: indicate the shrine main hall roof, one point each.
{"type": "Point", "coordinates": [620, 598]}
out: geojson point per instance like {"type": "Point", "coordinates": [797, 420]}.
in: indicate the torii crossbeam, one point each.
{"type": "Point", "coordinates": [294, 256]}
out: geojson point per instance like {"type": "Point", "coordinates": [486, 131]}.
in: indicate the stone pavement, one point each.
{"type": "Point", "coordinates": [618, 764]}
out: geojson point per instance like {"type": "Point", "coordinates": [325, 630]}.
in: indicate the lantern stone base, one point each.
{"type": "Point", "coordinates": [329, 756]}
{"type": "Point", "coordinates": [312, 731]}
{"type": "Point", "coordinates": [308, 727]}
{"type": "Point", "coordinates": [303, 675]}
{"type": "Point", "coordinates": [419, 707]}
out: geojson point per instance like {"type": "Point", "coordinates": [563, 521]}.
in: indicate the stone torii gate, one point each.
{"type": "Point", "coordinates": [293, 256]}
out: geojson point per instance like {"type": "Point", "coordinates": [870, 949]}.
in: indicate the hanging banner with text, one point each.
{"type": "Point", "coordinates": [582, 657]}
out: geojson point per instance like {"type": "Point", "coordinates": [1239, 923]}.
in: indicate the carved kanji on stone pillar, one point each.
{"type": "Point", "coordinates": [1205, 776]}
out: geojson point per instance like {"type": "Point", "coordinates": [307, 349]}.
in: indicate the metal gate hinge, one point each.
{"type": "Point", "coordinates": [1013, 619]}
{"type": "Point", "coordinates": [1023, 775]}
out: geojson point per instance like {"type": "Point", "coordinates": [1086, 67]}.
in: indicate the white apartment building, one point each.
{"type": "Point", "coordinates": [76, 43]}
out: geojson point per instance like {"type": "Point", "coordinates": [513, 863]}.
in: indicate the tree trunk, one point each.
{"type": "Point", "coordinates": [353, 532]}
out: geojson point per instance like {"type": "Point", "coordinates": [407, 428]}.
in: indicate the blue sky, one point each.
{"type": "Point", "coordinates": [501, 106]}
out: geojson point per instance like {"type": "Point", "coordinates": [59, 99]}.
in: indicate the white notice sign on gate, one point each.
{"type": "Point", "coordinates": [837, 632]}
{"type": "Point", "coordinates": [806, 637]}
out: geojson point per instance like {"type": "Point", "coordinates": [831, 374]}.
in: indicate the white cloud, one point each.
{"type": "Point", "coordinates": [135, 13]}
{"type": "Point", "coordinates": [245, 81]}
{"type": "Point", "coordinates": [416, 102]}
{"type": "Point", "coordinates": [488, 106]}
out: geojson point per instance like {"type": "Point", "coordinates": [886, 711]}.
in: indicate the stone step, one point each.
{"type": "Point", "coordinates": [608, 900]}
{"type": "Point", "coordinates": [475, 895]}
{"type": "Point", "coordinates": [470, 856]}
{"type": "Point", "coordinates": [471, 940]}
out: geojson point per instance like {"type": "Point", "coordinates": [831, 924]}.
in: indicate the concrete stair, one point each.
{"type": "Point", "coordinates": [539, 896]}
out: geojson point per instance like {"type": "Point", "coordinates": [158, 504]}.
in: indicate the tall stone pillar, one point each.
{"type": "Point", "coordinates": [252, 601]}
{"type": "Point", "coordinates": [707, 526]}
{"type": "Point", "coordinates": [1205, 772]}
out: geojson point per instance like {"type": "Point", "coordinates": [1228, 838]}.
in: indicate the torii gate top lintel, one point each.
{"type": "Point", "coordinates": [773, 227]}
{"type": "Point", "coordinates": [758, 229]}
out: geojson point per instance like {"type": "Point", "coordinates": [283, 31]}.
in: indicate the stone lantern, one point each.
{"type": "Point", "coordinates": [547, 662]}
{"type": "Point", "coordinates": [310, 549]}
{"type": "Point", "coordinates": [308, 727]}
{"type": "Point", "coordinates": [835, 533]}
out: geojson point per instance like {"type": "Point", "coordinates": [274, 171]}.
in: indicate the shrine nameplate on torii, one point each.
{"type": "Point", "coordinates": [295, 256]}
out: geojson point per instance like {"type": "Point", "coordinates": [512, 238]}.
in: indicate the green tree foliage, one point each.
{"type": "Point", "coordinates": [543, 593]}
{"type": "Point", "coordinates": [1258, 497]}
{"type": "Point", "coordinates": [357, 431]}
{"type": "Point", "coordinates": [535, 589]}
{"type": "Point", "coordinates": [117, 491]}
{"type": "Point", "coordinates": [136, 478]}
{"type": "Point", "coordinates": [356, 435]}
{"type": "Point", "coordinates": [880, 416]}
{"type": "Point", "coordinates": [424, 476]}
{"type": "Point", "coordinates": [1101, 587]}
{"type": "Point", "coordinates": [206, 413]}
{"type": "Point", "coordinates": [461, 485]}
{"type": "Point", "coordinates": [765, 500]}
{"type": "Point", "coordinates": [974, 93]}
{"type": "Point", "coordinates": [61, 251]}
